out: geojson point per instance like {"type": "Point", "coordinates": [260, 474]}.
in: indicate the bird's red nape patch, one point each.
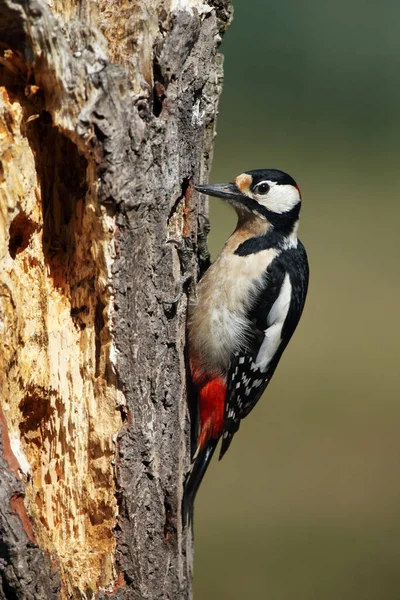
{"type": "Point", "coordinates": [212, 409]}
{"type": "Point", "coordinates": [298, 189]}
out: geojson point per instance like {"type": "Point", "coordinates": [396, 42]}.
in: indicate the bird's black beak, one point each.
{"type": "Point", "coordinates": [227, 191]}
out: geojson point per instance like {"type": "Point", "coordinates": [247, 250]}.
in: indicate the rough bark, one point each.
{"type": "Point", "coordinates": [107, 116]}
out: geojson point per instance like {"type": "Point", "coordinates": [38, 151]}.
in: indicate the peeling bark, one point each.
{"type": "Point", "coordinates": [107, 116]}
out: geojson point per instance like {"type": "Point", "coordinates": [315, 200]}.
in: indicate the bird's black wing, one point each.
{"type": "Point", "coordinates": [249, 375]}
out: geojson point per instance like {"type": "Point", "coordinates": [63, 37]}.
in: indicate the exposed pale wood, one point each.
{"type": "Point", "coordinates": [107, 116]}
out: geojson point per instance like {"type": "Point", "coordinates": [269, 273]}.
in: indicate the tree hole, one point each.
{"type": "Point", "coordinates": [159, 90]}
{"type": "Point", "coordinates": [21, 230]}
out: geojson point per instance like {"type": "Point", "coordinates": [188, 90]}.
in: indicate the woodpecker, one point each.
{"type": "Point", "coordinates": [247, 306]}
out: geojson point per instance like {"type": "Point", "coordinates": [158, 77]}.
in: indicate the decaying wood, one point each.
{"type": "Point", "coordinates": [107, 117]}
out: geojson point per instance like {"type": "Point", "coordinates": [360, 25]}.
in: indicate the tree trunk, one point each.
{"type": "Point", "coordinates": [107, 118]}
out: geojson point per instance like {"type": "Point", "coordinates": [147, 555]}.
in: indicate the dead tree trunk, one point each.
{"type": "Point", "coordinates": [107, 118]}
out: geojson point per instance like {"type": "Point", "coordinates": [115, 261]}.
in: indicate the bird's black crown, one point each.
{"type": "Point", "coordinates": [280, 177]}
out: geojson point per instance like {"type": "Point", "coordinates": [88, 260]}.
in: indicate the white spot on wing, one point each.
{"type": "Point", "coordinates": [275, 321]}
{"type": "Point", "coordinates": [280, 307]}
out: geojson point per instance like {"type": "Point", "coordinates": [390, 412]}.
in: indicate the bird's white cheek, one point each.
{"type": "Point", "coordinates": [280, 198]}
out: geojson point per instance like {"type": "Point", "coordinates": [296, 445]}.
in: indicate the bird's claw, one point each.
{"type": "Point", "coordinates": [181, 288]}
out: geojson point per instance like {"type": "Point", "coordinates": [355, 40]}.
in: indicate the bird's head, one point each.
{"type": "Point", "coordinates": [265, 193]}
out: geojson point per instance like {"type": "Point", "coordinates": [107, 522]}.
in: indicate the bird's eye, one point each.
{"type": "Point", "coordinates": [262, 188]}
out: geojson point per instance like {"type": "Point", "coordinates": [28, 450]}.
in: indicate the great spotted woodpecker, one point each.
{"type": "Point", "coordinates": [247, 307]}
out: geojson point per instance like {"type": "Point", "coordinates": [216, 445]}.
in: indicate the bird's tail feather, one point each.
{"type": "Point", "coordinates": [194, 478]}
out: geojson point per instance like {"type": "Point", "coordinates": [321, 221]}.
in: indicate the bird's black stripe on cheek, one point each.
{"type": "Point", "coordinates": [272, 239]}
{"type": "Point", "coordinates": [283, 222]}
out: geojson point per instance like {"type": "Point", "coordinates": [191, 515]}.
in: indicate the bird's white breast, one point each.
{"type": "Point", "coordinates": [218, 323]}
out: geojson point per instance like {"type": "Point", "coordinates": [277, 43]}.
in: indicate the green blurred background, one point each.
{"type": "Point", "coordinates": [306, 504]}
